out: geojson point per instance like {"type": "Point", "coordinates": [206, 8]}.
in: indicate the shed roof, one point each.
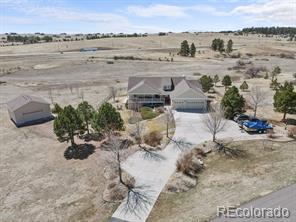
{"type": "Point", "coordinates": [22, 100]}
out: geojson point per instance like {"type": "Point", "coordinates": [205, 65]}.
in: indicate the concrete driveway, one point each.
{"type": "Point", "coordinates": [154, 174]}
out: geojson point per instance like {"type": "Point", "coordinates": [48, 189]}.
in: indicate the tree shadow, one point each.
{"type": "Point", "coordinates": [92, 137]}
{"type": "Point", "coordinates": [228, 151]}
{"type": "Point", "coordinates": [81, 151]}
{"type": "Point", "coordinates": [290, 121]}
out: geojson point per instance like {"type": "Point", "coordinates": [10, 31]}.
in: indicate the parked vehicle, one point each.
{"type": "Point", "coordinates": [241, 117]}
{"type": "Point", "coordinates": [256, 125]}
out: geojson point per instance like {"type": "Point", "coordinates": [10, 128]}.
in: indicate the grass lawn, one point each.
{"type": "Point", "coordinates": [228, 181]}
{"type": "Point", "coordinates": [148, 113]}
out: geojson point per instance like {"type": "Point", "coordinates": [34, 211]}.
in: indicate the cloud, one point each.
{"type": "Point", "coordinates": [157, 10]}
{"type": "Point", "coordinates": [279, 11]}
{"type": "Point", "coordinates": [105, 22]}
{"type": "Point", "coordinates": [61, 13]}
{"type": "Point", "coordinates": [160, 10]}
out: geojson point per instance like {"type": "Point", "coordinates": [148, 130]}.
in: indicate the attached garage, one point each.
{"type": "Point", "coordinates": [27, 110]}
{"type": "Point", "coordinates": [193, 104]}
{"type": "Point", "coordinates": [188, 97]}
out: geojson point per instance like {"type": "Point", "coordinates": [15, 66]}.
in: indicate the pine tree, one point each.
{"type": "Point", "coordinates": [107, 119]}
{"type": "Point", "coordinates": [184, 48]}
{"type": "Point", "coordinates": [232, 102]}
{"type": "Point", "coordinates": [285, 100]}
{"type": "Point", "coordinates": [229, 46]}
{"type": "Point", "coordinates": [226, 82]}
{"type": "Point", "coordinates": [192, 50]}
{"type": "Point", "coordinates": [244, 86]}
{"type": "Point", "coordinates": [206, 83]}
{"type": "Point", "coordinates": [85, 111]}
{"type": "Point", "coordinates": [67, 125]}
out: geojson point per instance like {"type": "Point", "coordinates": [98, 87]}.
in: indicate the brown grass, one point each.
{"type": "Point", "coordinates": [153, 138]}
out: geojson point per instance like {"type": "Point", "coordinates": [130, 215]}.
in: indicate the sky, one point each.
{"type": "Point", "coordinates": [141, 16]}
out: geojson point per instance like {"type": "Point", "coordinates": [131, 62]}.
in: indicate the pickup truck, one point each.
{"type": "Point", "coordinates": [256, 125]}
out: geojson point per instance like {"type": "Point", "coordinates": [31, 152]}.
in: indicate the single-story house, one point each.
{"type": "Point", "coordinates": [27, 110]}
{"type": "Point", "coordinates": [179, 92]}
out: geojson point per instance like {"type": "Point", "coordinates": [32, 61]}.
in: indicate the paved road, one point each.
{"type": "Point", "coordinates": [155, 174]}
{"type": "Point", "coordinates": [284, 198]}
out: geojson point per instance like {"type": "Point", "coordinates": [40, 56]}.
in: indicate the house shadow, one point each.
{"type": "Point", "coordinates": [81, 151]}
{"type": "Point", "coordinates": [34, 122]}
{"type": "Point", "coordinates": [191, 110]}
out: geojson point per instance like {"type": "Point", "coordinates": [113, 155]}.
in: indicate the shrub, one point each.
{"type": "Point", "coordinates": [160, 109]}
{"type": "Point", "coordinates": [153, 138]}
{"type": "Point", "coordinates": [147, 113]}
{"type": "Point", "coordinates": [253, 72]}
{"type": "Point", "coordinates": [292, 132]}
{"type": "Point", "coordinates": [189, 164]}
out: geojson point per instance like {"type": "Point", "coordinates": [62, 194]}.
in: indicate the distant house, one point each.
{"type": "Point", "coordinates": [27, 110]}
{"type": "Point", "coordinates": [179, 92]}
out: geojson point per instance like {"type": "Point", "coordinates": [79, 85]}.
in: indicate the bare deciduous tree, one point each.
{"type": "Point", "coordinates": [113, 92]}
{"type": "Point", "coordinates": [257, 98]}
{"type": "Point", "coordinates": [50, 95]}
{"type": "Point", "coordinates": [214, 121]}
{"type": "Point", "coordinates": [138, 135]}
{"type": "Point", "coordinates": [138, 197]}
{"type": "Point", "coordinates": [169, 118]}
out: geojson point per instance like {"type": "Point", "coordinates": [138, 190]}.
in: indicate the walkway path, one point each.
{"type": "Point", "coordinates": [155, 174]}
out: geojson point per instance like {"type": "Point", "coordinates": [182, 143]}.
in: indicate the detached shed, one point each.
{"type": "Point", "coordinates": [27, 110]}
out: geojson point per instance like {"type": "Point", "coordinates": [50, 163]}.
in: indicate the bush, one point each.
{"type": "Point", "coordinates": [292, 132]}
{"type": "Point", "coordinates": [189, 164]}
{"type": "Point", "coordinates": [153, 139]}
{"type": "Point", "coordinates": [134, 119]}
{"type": "Point", "coordinates": [160, 109]}
{"type": "Point", "coordinates": [147, 113]}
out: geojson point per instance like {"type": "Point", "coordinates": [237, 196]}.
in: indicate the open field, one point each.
{"type": "Point", "coordinates": [37, 182]}
{"type": "Point", "coordinates": [230, 182]}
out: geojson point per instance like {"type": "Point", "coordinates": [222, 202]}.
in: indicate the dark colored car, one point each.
{"type": "Point", "coordinates": [241, 117]}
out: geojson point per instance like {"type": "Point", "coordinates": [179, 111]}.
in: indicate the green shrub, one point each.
{"type": "Point", "coordinates": [147, 113]}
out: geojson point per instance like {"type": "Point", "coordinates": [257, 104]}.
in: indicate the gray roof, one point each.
{"type": "Point", "coordinates": [22, 100]}
{"type": "Point", "coordinates": [157, 83]}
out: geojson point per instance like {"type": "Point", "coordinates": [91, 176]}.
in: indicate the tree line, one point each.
{"type": "Point", "coordinates": [28, 39]}
{"type": "Point", "coordinates": [271, 30]}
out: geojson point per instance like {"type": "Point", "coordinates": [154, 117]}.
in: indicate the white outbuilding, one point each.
{"type": "Point", "coordinates": [27, 110]}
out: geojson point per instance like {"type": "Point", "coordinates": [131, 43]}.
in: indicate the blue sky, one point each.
{"type": "Point", "coordinates": [129, 16]}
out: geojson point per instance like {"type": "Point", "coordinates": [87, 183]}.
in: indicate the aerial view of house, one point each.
{"type": "Point", "coordinates": [148, 111]}
{"type": "Point", "coordinates": [178, 92]}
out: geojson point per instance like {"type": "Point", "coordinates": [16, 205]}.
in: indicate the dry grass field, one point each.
{"type": "Point", "coordinates": [36, 181]}
{"type": "Point", "coordinates": [231, 182]}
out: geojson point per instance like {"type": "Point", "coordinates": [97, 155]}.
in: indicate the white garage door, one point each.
{"type": "Point", "coordinates": [181, 104]}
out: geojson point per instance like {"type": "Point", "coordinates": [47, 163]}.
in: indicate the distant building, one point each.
{"type": "Point", "coordinates": [28, 110]}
